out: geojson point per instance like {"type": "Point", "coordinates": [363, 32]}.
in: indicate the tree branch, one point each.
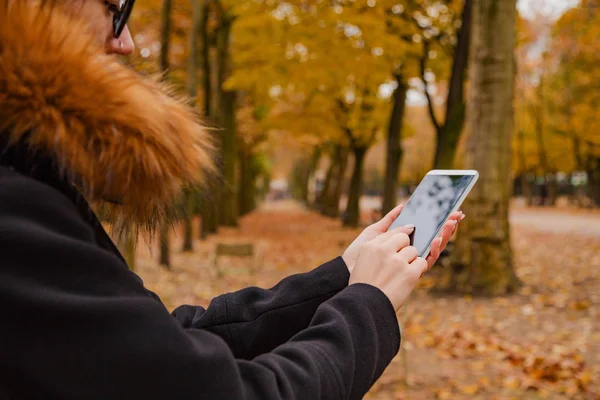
{"type": "Point", "coordinates": [566, 134]}
{"type": "Point", "coordinates": [422, 63]}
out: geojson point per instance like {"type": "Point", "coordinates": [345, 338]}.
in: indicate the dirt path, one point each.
{"type": "Point", "coordinates": [558, 221]}
{"type": "Point", "coordinates": [551, 220]}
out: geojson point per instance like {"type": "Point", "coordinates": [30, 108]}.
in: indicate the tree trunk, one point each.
{"type": "Point", "coordinates": [206, 205]}
{"type": "Point", "coordinates": [165, 40]}
{"type": "Point", "coordinates": [483, 262]}
{"type": "Point", "coordinates": [448, 135]}
{"type": "Point", "coordinates": [352, 216]}
{"type": "Point", "coordinates": [165, 32]}
{"type": "Point", "coordinates": [227, 101]}
{"type": "Point", "coordinates": [594, 181]}
{"type": "Point", "coordinates": [188, 239]}
{"type": "Point", "coordinates": [247, 184]}
{"type": "Point", "coordinates": [312, 166]}
{"type": "Point", "coordinates": [578, 195]}
{"type": "Point", "coordinates": [129, 250]}
{"type": "Point", "coordinates": [165, 247]}
{"type": "Point", "coordinates": [525, 188]}
{"type": "Point", "coordinates": [540, 125]}
{"type": "Point", "coordinates": [253, 180]}
{"type": "Point", "coordinates": [228, 213]}
{"type": "Point", "coordinates": [332, 201]}
{"type": "Point", "coordinates": [188, 201]}
{"type": "Point", "coordinates": [394, 147]}
{"type": "Point", "coordinates": [206, 62]}
{"type": "Point", "coordinates": [321, 199]}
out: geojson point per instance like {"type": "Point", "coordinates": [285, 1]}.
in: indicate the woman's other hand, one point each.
{"type": "Point", "coordinates": [390, 264]}
{"type": "Point", "coordinates": [439, 244]}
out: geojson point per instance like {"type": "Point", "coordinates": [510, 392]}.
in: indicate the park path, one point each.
{"type": "Point", "coordinates": [549, 220]}
{"type": "Point", "coordinates": [558, 221]}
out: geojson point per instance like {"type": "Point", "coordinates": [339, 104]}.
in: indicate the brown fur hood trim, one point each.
{"type": "Point", "coordinates": [120, 136]}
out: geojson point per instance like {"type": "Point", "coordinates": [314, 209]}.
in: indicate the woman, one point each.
{"type": "Point", "coordinates": [76, 126]}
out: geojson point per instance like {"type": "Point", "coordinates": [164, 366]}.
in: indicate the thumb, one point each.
{"type": "Point", "coordinates": [408, 229]}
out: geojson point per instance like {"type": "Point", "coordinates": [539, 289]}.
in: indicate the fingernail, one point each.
{"type": "Point", "coordinates": [462, 216]}
{"type": "Point", "coordinates": [410, 227]}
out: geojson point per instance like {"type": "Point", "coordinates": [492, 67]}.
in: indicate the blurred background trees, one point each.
{"type": "Point", "coordinates": [347, 104]}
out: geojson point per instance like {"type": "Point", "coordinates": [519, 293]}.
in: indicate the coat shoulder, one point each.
{"type": "Point", "coordinates": [23, 194]}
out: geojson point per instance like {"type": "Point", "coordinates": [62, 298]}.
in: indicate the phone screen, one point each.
{"type": "Point", "coordinates": [430, 206]}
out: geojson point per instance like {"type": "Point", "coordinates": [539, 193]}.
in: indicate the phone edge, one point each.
{"type": "Point", "coordinates": [425, 253]}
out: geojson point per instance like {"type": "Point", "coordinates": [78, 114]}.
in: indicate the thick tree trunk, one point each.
{"type": "Point", "coordinates": [352, 216]}
{"type": "Point", "coordinates": [394, 146]}
{"type": "Point", "coordinates": [332, 201]}
{"type": "Point", "coordinates": [483, 262]}
{"type": "Point", "coordinates": [448, 138]}
{"type": "Point", "coordinates": [165, 40]}
{"type": "Point", "coordinates": [448, 134]}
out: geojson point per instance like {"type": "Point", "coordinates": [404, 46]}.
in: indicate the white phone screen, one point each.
{"type": "Point", "coordinates": [430, 206]}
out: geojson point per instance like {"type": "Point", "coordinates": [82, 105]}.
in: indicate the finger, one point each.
{"type": "Point", "coordinates": [434, 252]}
{"type": "Point", "coordinates": [408, 254]}
{"type": "Point", "coordinates": [447, 231]}
{"type": "Point", "coordinates": [420, 266]}
{"type": "Point", "coordinates": [398, 240]}
{"type": "Point", "coordinates": [406, 229]}
{"type": "Point", "coordinates": [456, 215]}
{"type": "Point", "coordinates": [384, 224]}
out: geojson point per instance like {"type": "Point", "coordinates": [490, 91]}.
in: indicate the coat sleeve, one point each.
{"type": "Point", "coordinates": [79, 325]}
{"type": "Point", "coordinates": [254, 321]}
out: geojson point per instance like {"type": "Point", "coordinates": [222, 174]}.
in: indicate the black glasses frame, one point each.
{"type": "Point", "coordinates": [122, 16]}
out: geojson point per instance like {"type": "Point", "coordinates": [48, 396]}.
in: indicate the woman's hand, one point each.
{"type": "Point", "coordinates": [390, 264]}
{"type": "Point", "coordinates": [371, 232]}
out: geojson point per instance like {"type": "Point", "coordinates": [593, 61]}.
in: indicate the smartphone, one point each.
{"type": "Point", "coordinates": [440, 193]}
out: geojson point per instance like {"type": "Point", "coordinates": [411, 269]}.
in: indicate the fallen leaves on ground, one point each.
{"type": "Point", "coordinates": [543, 342]}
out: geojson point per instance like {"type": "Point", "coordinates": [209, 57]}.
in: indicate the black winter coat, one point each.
{"type": "Point", "coordinates": [76, 322]}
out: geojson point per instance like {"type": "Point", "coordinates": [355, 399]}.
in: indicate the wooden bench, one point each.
{"type": "Point", "coordinates": [239, 250]}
